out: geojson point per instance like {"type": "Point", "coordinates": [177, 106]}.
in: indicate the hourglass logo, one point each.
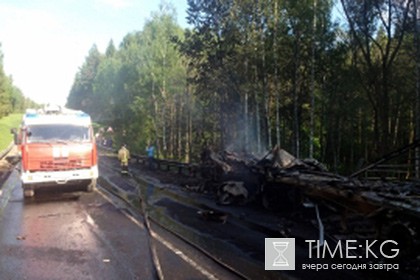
{"type": "Point", "coordinates": [279, 254]}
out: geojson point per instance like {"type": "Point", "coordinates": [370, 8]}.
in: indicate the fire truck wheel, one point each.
{"type": "Point", "coordinates": [28, 193]}
{"type": "Point", "coordinates": [92, 186]}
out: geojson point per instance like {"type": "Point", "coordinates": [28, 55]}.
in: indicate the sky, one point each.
{"type": "Point", "coordinates": [45, 42]}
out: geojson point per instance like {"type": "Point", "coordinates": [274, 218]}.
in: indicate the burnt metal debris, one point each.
{"type": "Point", "coordinates": [246, 174]}
{"type": "Point", "coordinates": [341, 207]}
{"type": "Point", "coordinates": [390, 209]}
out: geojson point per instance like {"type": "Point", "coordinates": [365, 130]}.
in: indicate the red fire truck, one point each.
{"type": "Point", "coordinates": [58, 149]}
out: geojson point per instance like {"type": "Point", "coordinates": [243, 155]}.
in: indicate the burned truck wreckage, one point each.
{"type": "Point", "coordinates": [345, 207]}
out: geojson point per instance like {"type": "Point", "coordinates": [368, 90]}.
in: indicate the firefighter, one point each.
{"type": "Point", "coordinates": [123, 157]}
{"type": "Point", "coordinates": [150, 150]}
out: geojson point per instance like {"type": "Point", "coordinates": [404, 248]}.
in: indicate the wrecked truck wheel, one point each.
{"type": "Point", "coordinates": [268, 202]}
{"type": "Point", "coordinates": [271, 199]}
{"type": "Point", "coordinates": [265, 201]}
{"type": "Point", "coordinates": [225, 199]}
{"type": "Point", "coordinates": [280, 198]}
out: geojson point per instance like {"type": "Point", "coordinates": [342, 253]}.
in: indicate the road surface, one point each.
{"type": "Point", "coordinates": [80, 235]}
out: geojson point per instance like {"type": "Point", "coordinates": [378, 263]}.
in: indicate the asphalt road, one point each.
{"type": "Point", "coordinates": [80, 235]}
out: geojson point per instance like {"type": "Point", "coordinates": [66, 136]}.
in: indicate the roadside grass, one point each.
{"type": "Point", "coordinates": [6, 123]}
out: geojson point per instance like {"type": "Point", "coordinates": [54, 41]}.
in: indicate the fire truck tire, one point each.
{"type": "Point", "coordinates": [92, 186]}
{"type": "Point", "coordinates": [28, 193]}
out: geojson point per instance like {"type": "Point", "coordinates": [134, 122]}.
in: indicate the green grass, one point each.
{"type": "Point", "coordinates": [6, 123]}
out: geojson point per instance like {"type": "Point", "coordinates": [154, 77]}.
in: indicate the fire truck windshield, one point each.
{"type": "Point", "coordinates": [57, 132]}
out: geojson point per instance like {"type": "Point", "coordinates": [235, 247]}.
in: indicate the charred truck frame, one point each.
{"type": "Point", "coordinates": [345, 206]}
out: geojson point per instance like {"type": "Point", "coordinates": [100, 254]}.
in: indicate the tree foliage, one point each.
{"type": "Point", "coordinates": [11, 97]}
{"type": "Point", "coordinates": [249, 75]}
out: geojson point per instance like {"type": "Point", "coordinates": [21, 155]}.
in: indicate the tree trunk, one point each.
{"type": "Point", "coordinates": [417, 109]}
{"type": "Point", "coordinates": [296, 134]}
{"type": "Point", "coordinates": [266, 112]}
{"type": "Point", "coordinates": [276, 75]}
{"type": "Point", "coordinates": [246, 114]}
{"type": "Point", "coordinates": [312, 112]}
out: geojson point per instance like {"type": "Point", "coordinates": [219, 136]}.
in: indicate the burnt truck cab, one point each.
{"type": "Point", "coordinates": [57, 150]}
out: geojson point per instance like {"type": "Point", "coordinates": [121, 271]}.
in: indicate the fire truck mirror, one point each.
{"type": "Point", "coordinates": [15, 136]}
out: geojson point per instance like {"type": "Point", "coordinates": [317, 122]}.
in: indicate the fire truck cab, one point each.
{"type": "Point", "coordinates": [57, 149]}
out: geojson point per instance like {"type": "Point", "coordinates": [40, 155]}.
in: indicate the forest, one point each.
{"type": "Point", "coordinates": [337, 81]}
{"type": "Point", "coordinates": [12, 99]}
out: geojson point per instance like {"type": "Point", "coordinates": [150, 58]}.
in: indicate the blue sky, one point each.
{"type": "Point", "coordinates": [45, 42]}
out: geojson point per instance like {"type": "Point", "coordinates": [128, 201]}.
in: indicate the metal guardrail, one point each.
{"type": "Point", "coordinates": [7, 150]}
{"type": "Point", "coordinates": [389, 172]}
{"type": "Point", "coordinates": [188, 169]}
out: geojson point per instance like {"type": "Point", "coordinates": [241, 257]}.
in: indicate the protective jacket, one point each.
{"type": "Point", "coordinates": [124, 155]}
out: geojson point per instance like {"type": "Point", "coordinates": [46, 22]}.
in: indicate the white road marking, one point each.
{"type": "Point", "coordinates": [168, 245]}
{"type": "Point", "coordinates": [190, 261]}
{"type": "Point", "coordinates": [7, 189]}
